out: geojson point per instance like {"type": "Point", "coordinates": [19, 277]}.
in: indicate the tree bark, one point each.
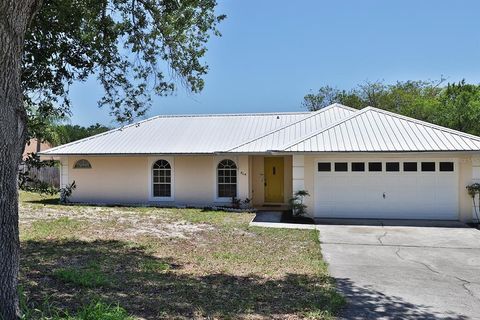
{"type": "Point", "coordinates": [15, 16]}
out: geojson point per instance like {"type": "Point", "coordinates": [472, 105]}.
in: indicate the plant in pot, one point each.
{"type": "Point", "coordinates": [298, 208]}
{"type": "Point", "coordinates": [474, 189]}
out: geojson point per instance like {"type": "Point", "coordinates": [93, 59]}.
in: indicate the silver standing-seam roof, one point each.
{"type": "Point", "coordinates": [278, 138]}
{"type": "Point", "coordinates": [336, 128]}
{"type": "Point", "coordinates": [376, 130]}
{"type": "Point", "coordinates": [182, 134]}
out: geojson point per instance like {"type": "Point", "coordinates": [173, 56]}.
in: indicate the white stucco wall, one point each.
{"type": "Point", "coordinates": [298, 173]}
{"type": "Point", "coordinates": [125, 179]}
{"type": "Point", "coordinates": [475, 175]}
{"type": "Point", "coordinates": [110, 180]}
{"type": "Point", "coordinates": [63, 172]}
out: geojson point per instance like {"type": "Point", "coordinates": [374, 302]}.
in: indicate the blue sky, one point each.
{"type": "Point", "coordinates": [274, 52]}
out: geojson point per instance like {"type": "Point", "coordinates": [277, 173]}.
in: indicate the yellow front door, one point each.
{"type": "Point", "coordinates": [273, 167]}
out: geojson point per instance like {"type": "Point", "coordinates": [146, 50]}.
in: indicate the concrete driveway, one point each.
{"type": "Point", "coordinates": [405, 272]}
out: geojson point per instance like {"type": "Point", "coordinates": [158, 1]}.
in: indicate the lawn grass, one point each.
{"type": "Point", "coordinates": [170, 263]}
{"type": "Point", "coordinates": [62, 227]}
{"type": "Point", "coordinates": [96, 310]}
{"type": "Point", "coordinates": [100, 311]}
{"type": "Point", "coordinates": [90, 276]}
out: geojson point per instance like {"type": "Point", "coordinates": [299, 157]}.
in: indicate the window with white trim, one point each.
{"type": "Point", "coordinates": [162, 179]}
{"type": "Point", "coordinates": [358, 166]}
{"type": "Point", "coordinates": [392, 166]}
{"type": "Point", "coordinates": [446, 166]}
{"type": "Point", "coordinates": [428, 166]}
{"type": "Point", "coordinates": [82, 164]}
{"type": "Point", "coordinates": [324, 167]}
{"type": "Point", "coordinates": [227, 179]}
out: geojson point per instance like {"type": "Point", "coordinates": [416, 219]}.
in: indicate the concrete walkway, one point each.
{"type": "Point", "coordinates": [272, 219]}
{"type": "Point", "coordinates": [268, 216]}
{"type": "Point", "coordinates": [405, 272]}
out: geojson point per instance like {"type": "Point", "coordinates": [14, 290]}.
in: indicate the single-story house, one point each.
{"type": "Point", "coordinates": [366, 163]}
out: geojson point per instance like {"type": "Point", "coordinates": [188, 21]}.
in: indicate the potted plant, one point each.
{"type": "Point", "coordinates": [474, 189]}
{"type": "Point", "coordinates": [298, 209]}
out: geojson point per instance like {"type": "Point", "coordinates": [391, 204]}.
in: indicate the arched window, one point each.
{"type": "Point", "coordinates": [82, 164]}
{"type": "Point", "coordinates": [227, 179]}
{"type": "Point", "coordinates": [162, 179]}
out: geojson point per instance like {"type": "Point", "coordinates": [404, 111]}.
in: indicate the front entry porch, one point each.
{"type": "Point", "coordinates": [271, 182]}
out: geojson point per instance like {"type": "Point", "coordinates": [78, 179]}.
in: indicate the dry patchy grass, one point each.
{"type": "Point", "coordinates": [171, 263]}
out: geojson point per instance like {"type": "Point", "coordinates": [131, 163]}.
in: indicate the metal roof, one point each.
{"type": "Point", "coordinates": [376, 130]}
{"type": "Point", "coordinates": [180, 134]}
{"type": "Point", "coordinates": [335, 128]}
{"type": "Point", "coordinates": [278, 138]}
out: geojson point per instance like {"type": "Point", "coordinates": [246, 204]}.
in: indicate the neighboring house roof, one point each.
{"type": "Point", "coordinates": [376, 130]}
{"type": "Point", "coordinates": [34, 145]}
{"type": "Point", "coordinates": [336, 128]}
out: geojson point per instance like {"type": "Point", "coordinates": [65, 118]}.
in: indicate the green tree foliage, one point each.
{"type": "Point", "coordinates": [65, 133]}
{"type": "Point", "coordinates": [453, 105]}
{"type": "Point", "coordinates": [460, 107]}
{"type": "Point", "coordinates": [133, 47]}
{"type": "Point", "coordinates": [324, 97]}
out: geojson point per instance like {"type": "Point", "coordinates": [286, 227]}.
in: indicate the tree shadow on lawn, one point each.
{"type": "Point", "coordinates": [45, 201]}
{"type": "Point", "coordinates": [366, 303]}
{"type": "Point", "coordinates": [153, 288]}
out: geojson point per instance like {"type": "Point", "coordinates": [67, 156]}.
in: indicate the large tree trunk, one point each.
{"type": "Point", "coordinates": [15, 16]}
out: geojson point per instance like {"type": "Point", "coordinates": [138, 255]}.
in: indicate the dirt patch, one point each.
{"type": "Point", "coordinates": [115, 223]}
{"type": "Point", "coordinates": [170, 230]}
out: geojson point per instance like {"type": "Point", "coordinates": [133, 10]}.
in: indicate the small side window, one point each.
{"type": "Point", "coordinates": [82, 164]}
{"type": "Point", "coordinates": [358, 166]}
{"type": "Point", "coordinates": [324, 167]}
{"type": "Point", "coordinates": [374, 166]}
{"type": "Point", "coordinates": [392, 166]}
{"type": "Point", "coordinates": [428, 166]}
{"type": "Point", "coordinates": [446, 166]}
{"type": "Point", "coordinates": [341, 166]}
{"type": "Point", "coordinates": [409, 166]}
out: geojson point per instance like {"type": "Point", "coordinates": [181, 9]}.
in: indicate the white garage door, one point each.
{"type": "Point", "coordinates": [386, 189]}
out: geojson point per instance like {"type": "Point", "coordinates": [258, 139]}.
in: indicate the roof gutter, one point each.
{"type": "Point", "coordinates": [267, 152]}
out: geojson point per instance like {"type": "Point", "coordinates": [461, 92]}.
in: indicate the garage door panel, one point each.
{"type": "Point", "coordinates": [387, 195]}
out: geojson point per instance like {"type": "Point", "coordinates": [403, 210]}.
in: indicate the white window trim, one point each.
{"type": "Point", "coordinates": [82, 168]}
{"type": "Point", "coordinates": [151, 161]}
{"type": "Point", "coordinates": [216, 162]}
